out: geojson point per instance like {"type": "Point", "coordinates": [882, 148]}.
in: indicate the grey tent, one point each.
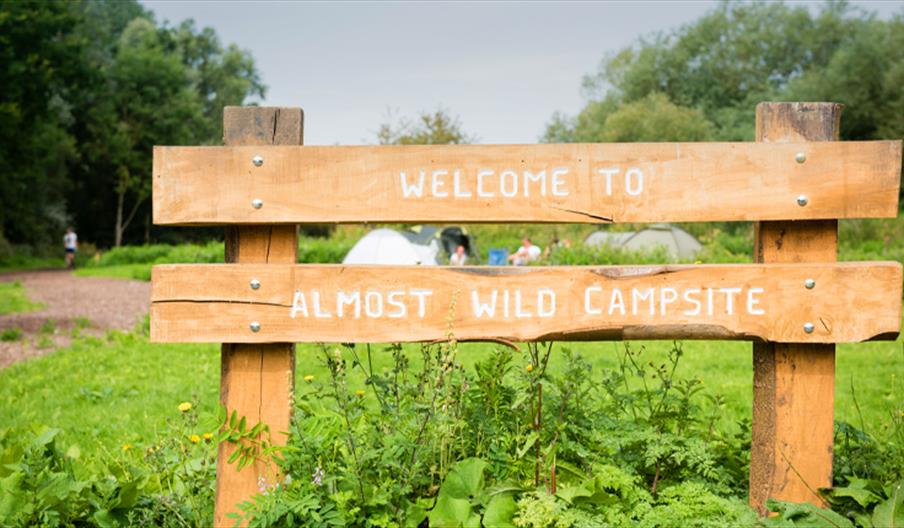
{"type": "Point", "coordinates": [679, 244]}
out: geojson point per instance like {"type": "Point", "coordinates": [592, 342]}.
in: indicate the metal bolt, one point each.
{"type": "Point", "coordinates": [256, 327]}
{"type": "Point", "coordinates": [257, 203]}
{"type": "Point", "coordinates": [802, 200]}
{"type": "Point", "coordinates": [257, 160]}
{"type": "Point", "coordinates": [255, 284]}
{"type": "Point", "coordinates": [808, 328]}
{"type": "Point", "coordinates": [810, 284]}
{"type": "Point", "coordinates": [800, 157]}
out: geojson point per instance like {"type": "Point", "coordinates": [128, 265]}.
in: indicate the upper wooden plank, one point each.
{"type": "Point", "coordinates": [334, 303]}
{"type": "Point", "coordinates": [582, 183]}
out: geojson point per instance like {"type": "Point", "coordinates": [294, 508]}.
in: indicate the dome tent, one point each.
{"type": "Point", "coordinates": [385, 246]}
{"type": "Point", "coordinates": [678, 243]}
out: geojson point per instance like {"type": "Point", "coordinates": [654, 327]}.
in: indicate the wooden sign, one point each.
{"type": "Point", "coordinates": [335, 303]}
{"type": "Point", "coordinates": [587, 183]}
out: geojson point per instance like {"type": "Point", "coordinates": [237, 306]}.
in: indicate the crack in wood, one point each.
{"type": "Point", "coordinates": [605, 219]}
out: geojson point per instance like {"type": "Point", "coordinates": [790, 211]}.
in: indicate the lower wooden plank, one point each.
{"type": "Point", "coordinates": [848, 302]}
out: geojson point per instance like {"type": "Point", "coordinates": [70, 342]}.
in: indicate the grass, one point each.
{"type": "Point", "coordinates": [130, 388]}
{"type": "Point", "coordinates": [13, 299]}
{"type": "Point", "coordinates": [121, 271]}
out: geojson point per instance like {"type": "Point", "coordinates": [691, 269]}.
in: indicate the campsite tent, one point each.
{"type": "Point", "coordinates": [448, 238]}
{"type": "Point", "coordinates": [679, 244]}
{"type": "Point", "coordinates": [385, 246]}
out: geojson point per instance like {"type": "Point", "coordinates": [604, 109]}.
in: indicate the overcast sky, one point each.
{"type": "Point", "coordinates": [503, 68]}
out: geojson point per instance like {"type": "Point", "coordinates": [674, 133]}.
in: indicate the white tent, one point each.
{"type": "Point", "coordinates": [385, 246]}
{"type": "Point", "coordinates": [680, 244]}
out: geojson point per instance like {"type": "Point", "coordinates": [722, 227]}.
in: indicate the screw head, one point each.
{"type": "Point", "coordinates": [810, 284]}
{"type": "Point", "coordinates": [257, 161]}
{"type": "Point", "coordinates": [802, 200]}
{"type": "Point", "coordinates": [257, 203]}
{"type": "Point", "coordinates": [255, 326]}
{"type": "Point", "coordinates": [800, 157]}
{"type": "Point", "coordinates": [808, 328]}
{"type": "Point", "coordinates": [255, 284]}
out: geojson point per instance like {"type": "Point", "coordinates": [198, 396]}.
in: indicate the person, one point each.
{"type": "Point", "coordinates": [70, 244]}
{"type": "Point", "coordinates": [555, 244]}
{"type": "Point", "coordinates": [459, 257]}
{"type": "Point", "coordinates": [527, 253]}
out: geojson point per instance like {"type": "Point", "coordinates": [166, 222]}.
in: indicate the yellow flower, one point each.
{"type": "Point", "coordinates": [360, 392]}
{"type": "Point", "coordinates": [530, 368]}
{"type": "Point", "coordinates": [309, 378]}
{"type": "Point", "coordinates": [184, 407]}
{"type": "Point", "coordinates": [194, 439]}
{"type": "Point", "coordinates": [126, 447]}
{"type": "Point", "coordinates": [207, 436]}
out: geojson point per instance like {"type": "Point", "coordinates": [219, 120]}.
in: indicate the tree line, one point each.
{"type": "Point", "coordinates": [89, 87]}
{"type": "Point", "coordinates": [702, 81]}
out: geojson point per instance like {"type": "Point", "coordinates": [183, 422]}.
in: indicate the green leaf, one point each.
{"type": "Point", "coordinates": [568, 494]}
{"type": "Point", "coordinates": [450, 512]}
{"type": "Point", "coordinates": [500, 511]}
{"type": "Point", "coordinates": [890, 513]}
{"type": "Point", "coordinates": [804, 514]}
{"type": "Point", "coordinates": [128, 496]}
{"type": "Point", "coordinates": [529, 443]}
{"type": "Point", "coordinates": [861, 496]}
{"type": "Point", "coordinates": [465, 479]}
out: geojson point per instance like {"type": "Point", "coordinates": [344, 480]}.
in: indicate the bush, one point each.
{"type": "Point", "coordinates": [160, 254]}
{"type": "Point", "coordinates": [508, 443]}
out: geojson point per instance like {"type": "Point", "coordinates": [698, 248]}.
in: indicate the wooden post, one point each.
{"type": "Point", "coordinates": [793, 384]}
{"type": "Point", "coordinates": [256, 380]}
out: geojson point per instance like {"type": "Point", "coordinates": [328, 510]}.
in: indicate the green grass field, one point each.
{"type": "Point", "coordinates": [104, 393]}
{"type": "Point", "coordinates": [13, 299]}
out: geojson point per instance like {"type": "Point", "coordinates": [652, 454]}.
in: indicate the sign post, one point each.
{"type": "Point", "coordinates": [794, 302]}
{"type": "Point", "coordinates": [256, 380]}
{"type": "Point", "coordinates": [794, 384]}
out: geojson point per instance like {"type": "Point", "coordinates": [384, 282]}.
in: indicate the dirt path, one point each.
{"type": "Point", "coordinates": [70, 303]}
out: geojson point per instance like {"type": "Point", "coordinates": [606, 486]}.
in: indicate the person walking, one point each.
{"type": "Point", "coordinates": [70, 244]}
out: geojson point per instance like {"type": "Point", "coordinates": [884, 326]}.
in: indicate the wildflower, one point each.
{"type": "Point", "coordinates": [194, 438]}
{"type": "Point", "coordinates": [360, 392]}
{"type": "Point", "coordinates": [530, 367]}
{"type": "Point", "coordinates": [126, 447]}
{"type": "Point", "coordinates": [317, 477]}
{"type": "Point", "coordinates": [207, 436]}
{"type": "Point", "coordinates": [309, 378]}
{"type": "Point", "coordinates": [288, 479]}
{"type": "Point", "coordinates": [184, 407]}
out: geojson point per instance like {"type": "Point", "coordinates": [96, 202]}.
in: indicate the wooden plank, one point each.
{"type": "Point", "coordinates": [256, 380]}
{"type": "Point", "coordinates": [794, 384]}
{"type": "Point", "coordinates": [586, 183]}
{"type": "Point", "coordinates": [336, 303]}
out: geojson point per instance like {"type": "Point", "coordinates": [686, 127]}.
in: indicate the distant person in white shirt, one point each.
{"type": "Point", "coordinates": [70, 244]}
{"type": "Point", "coordinates": [459, 257]}
{"type": "Point", "coordinates": [527, 253]}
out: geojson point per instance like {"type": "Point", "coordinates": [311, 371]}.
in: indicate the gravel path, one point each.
{"type": "Point", "coordinates": [70, 301]}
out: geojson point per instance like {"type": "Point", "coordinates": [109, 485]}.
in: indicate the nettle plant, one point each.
{"type": "Point", "coordinates": [509, 443]}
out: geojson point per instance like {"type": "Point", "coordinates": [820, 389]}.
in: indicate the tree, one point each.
{"type": "Point", "coordinates": [739, 54]}
{"type": "Point", "coordinates": [41, 69]}
{"type": "Point", "coordinates": [155, 104]}
{"type": "Point", "coordinates": [89, 87]}
{"type": "Point", "coordinates": [436, 128]}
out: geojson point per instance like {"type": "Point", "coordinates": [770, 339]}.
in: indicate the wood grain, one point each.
{"type": "Point", "coordinates": [682, 182]}
{"type": "Point", "coordinates": [256, 380]}
{"type": "Point", "coordinates": [211, 302]}
{"type": "Point", "coordinates": [794, 384]}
